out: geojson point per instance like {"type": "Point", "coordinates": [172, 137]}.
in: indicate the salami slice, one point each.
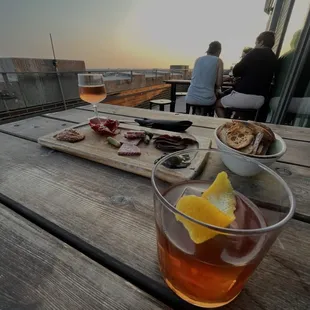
{"type": "Point", "coordinates": [129, 150]}
{"type": "Point", "coordinates": [132, 141]}
{"type": "Point", "coordinates": [134, 135]}
{"type": "Point", "coordinates": [70, 135]}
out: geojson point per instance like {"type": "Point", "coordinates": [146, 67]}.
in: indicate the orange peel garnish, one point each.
{"type": "Point", "coordinates": [215, 207]}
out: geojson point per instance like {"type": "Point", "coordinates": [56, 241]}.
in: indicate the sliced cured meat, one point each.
{"type": "Point", "coordinates": [134, 135]}
{"type": "Point", "coordinates": [168, 143]}
{"type": "Point", "coordinates": [104, 126]}
{"type": "Point", "coordinates": [70, 135]}
{"type": "Point", "coordinates": [172, 139]}
{"type": "Point", "coordinates": [129, 150]}
{"type": "Point", "coordinates": [130, 141]}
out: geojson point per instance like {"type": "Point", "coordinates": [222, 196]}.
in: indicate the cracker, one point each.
{"type": "Point", "coordinates": [239, 137]}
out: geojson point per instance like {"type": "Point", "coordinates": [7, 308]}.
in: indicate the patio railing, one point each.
{"type": "Point", "coordinates": [28, 93]}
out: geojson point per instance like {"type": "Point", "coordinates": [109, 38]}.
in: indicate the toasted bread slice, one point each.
{"type": "Point", "coordinates": [268, 133]}
{"type": "Point", "coordinates": [248, 149]}
{"type": "Point", "coordinates": [239, 140]}
{"type": "Point", "coordinates": [222, 134]}
{"type": "Point", "coordinates": [260, 149]}
{"type": "Point", "coordinates": [258, 138]}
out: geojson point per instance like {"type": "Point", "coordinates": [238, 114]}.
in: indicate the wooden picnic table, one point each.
{"type": "Point", "coordinates": [84, 236]}
{"type": "Point", "coordinates": [173, 89]}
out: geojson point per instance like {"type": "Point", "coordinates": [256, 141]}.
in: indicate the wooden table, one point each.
{"type": "Point", "coordinates": [173, 89]}
{"type": "Point", "coordinates": [80, 235]}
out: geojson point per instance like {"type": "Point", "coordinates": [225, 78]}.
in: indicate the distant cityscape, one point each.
{"type": "Point", "coordinates": [175, 71]}
{"type": "Point", "coordinates": [119, 74]}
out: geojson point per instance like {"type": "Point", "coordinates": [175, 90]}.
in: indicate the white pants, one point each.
{"type": "Point", "coordinates": [242, 101]}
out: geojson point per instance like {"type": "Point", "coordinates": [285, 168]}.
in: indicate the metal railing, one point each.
{"type": "Point", "coordinates": [24, 93]}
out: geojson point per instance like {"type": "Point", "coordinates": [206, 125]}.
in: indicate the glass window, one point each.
{"type": "Point", "coordinates": [298, 113]}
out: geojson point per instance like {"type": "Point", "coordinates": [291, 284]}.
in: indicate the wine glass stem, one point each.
{"type": "Point", "coordinates": [96, 111]}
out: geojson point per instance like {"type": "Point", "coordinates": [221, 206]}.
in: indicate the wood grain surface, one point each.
{"type": "Point", "coordinates": [286, 132]}
{"type": "Point", "coordinates": [35, 127]}
{"type": "Point", "coordinates": [37, 271]}
{"type": "Point", "coordinates": [113, 210]}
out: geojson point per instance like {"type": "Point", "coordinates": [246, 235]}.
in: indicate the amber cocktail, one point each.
{"type": "Point", "coordinates": [212, 273]}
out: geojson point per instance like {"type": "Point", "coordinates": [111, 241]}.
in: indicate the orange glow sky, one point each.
{"type": "Point", "coordinates": [129, 33]}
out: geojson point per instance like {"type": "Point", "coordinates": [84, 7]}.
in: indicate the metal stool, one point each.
{"type": "Point", "coordinates": [160, 102]}
{"type": "Point", "coordinates": [206, 110]}
{"type": "Point", "coordinates": [242, 114]}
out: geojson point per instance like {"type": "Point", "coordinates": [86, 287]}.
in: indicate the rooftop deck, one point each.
{"type": "Point", "coordinates": [75, 231]}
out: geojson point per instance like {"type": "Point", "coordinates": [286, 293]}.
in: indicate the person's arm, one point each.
{"type": "Point", "coordinates": [219, 75]}
{"type": "Point", "coordinates": [240, 67]}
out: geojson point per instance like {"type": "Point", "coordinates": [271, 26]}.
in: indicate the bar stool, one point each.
{"type": "Point", "coordinates": [242, 114]}
{"type": "Point", "coordinates": [259, 115]}
{"type": "Point", "coordinates": [207, 110]}
{"type": "Point", "coordinates": [160, 102]}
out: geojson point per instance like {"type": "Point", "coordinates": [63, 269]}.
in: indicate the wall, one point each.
{"type": "Point", "coordinates": [29, 90]}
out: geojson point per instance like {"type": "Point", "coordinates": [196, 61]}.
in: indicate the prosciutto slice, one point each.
{"type": "Point", "coordinates": [104, 126]}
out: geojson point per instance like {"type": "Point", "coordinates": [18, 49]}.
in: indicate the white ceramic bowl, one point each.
{"type": "Point", "coordinates": [247, 168]}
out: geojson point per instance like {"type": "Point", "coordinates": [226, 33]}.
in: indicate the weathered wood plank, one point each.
{"type": "Point", "coordinates": [73, 115]}
{"type": "Point", "coordinates": [286, 132]}
{"type": "Point", "coordinates": [297, 151]}
{"type": "Point", "coordinates": [40, 272]}
{"type": "Point", "coordinates": [34, 127]}
{"type": "Point", "coordinates": [81, 116]}
{"type": "Point", "coordinates": [113, 210]}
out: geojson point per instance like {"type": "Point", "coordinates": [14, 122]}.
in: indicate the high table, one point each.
{"type": "Point", "coordinates": [80, 235]}
{"type": "Point", "coordinates": [173, 89]}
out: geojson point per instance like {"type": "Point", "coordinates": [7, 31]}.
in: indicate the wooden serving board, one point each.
{"type": "Point", "coordinates": [95, 147]}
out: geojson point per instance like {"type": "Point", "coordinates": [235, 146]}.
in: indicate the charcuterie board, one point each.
{"type": "Point", "coordinates": [95, 147]}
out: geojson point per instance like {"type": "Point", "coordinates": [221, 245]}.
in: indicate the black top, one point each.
{"type": "Point", "coordinates": [256, 70]}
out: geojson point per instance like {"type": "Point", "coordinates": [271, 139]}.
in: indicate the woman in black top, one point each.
{"type": "Point", "coordinates": [255, 72]}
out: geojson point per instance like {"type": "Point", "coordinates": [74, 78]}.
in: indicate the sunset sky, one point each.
{"type": "Point", "coordinates": [129, 33]}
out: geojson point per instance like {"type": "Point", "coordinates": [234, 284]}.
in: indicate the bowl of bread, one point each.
{"type": "Point", "coordinates": [250, 139]}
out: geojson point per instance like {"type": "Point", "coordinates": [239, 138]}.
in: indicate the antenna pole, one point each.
{"type": "Point", "coordinates": [57, 73]}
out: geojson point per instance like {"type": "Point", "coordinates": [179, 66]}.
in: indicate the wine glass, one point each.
{"type": "Point", "coordinates": [92, 89]}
